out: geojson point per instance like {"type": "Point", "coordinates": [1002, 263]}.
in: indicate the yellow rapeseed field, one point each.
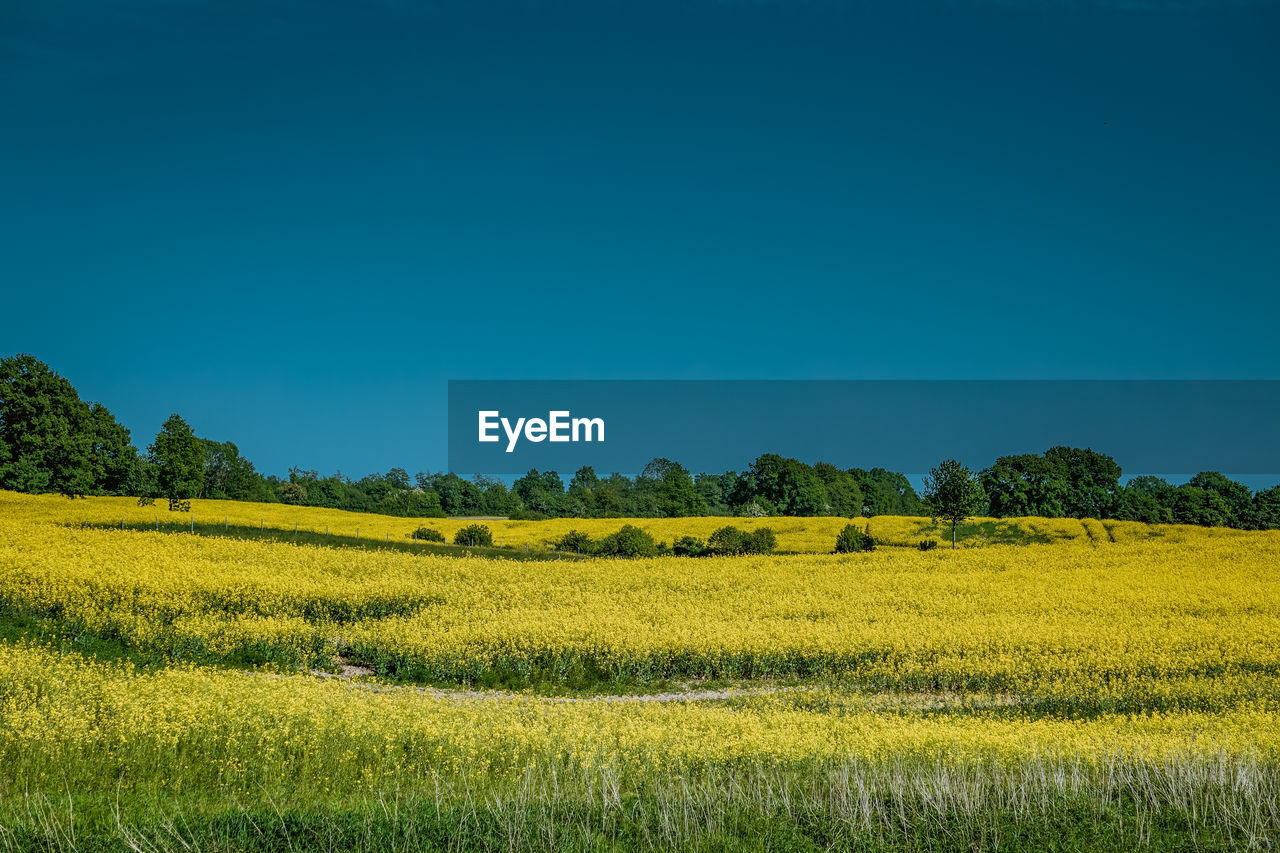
{"type": "Point", "coordinates": [1117, 663]}
{"type": "Point", "coordinates": [1081, 623]}
{"type": "Point", "coordinates": [802, 535]}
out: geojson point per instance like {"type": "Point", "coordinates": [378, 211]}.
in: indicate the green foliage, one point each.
{"type": "Point", "coordinates": [761, 541]}
{"type": "Point", "coordinates": [853, 540]}
{"type": "Point", "coordinates": [179, 458]}
{"type": "Point", "coordinates": [793, 487]}
{"type": "Point", "coordinates": [673, 491]}
{"type": "Point", "coordinates": [427, 534]}
{"type": "Point", "coordinates": [730, 541]}
{"type": "Point", "coordinates": [1264, 510]}
{"type": "Point", "coordinates": [688, 546]}
{"type": "Point", "coordinates": [575, 542]}
{"type": "Point", "coordinates": [1237, 496]}
{"type": "Point", "coordinates": [52, 441]}
{"type": "Point", "coordinates": [474, 534]}
{"type": "Point", "coordinates": [1063, 482]}
{"type": "Point", "coordinates": [757, 507]}
{"type": "Point", "coordinates": [927, 544]}
{"type": "Point", "coordinates": [1194, 505]}
{"type": "Point", "coordinates": [953, 494]}
{"type": "Point", "coordinates": [1146, 501]}
{"type": "Point", "coordinates": [630, 541]}
{"type": "Point", "coordinates": [886, 493]}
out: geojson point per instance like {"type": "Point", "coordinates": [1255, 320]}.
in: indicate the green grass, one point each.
{"type": "Point", "coordinates": [1074, 823]}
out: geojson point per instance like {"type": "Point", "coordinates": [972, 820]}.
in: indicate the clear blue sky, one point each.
{"type": "Point", "coordinates": [293, 222]}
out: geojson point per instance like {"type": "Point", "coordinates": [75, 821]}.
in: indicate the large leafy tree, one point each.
{"type": "Point", "coordinates": [1264, 511]}
{"type": "Point", "coordinates": [1237, 496]}
{"type": "Point", "coordinates": [844, 496]}
{"type": "Point", "coordinates": [178, 457]}
{"type": "Point", "coordinates": [953, 494]}
{"type": "Point", "coordinates": [791, 486]}
{"type": "Point", "coordinates": [671, 489]}
{"type": "Point", "coordinates": [886, 493]}
{"type": "Point", "coordinates": [113, 458]}
{"type": "Point", "coordinates": [46, 431]}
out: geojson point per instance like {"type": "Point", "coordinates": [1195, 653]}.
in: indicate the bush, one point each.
{"type": "Point", "coordinates": [688, 546]}
{"type": "Point", "coordinates": [761, 541]}
{"type": "Point", "coordinates": [732, 542]}
{"type": "Point", "coordinates": [927, 544]}
{"type": "Point", "coordinates": [575, 541]}
{"type": "Point", "coordinates": [527, 515]}
{"type": "Point", "coordinates": [426, 534]}
{"type": "Point", "coordinates": [851, 540]}
{"type": "Point", "coordinates": [473, 534]}
{"type": "Point", "coordinates": [630, 541]}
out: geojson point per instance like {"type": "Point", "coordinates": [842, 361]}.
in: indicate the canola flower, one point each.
{"type": "Point", "coordinates": [1078, 625]}
{"type": "Point", "coordinates": [1103, 661]}
{"type": "Point", "coordinates": [800, 535]}
{"type": "Point", "coordinates": [65, 717]}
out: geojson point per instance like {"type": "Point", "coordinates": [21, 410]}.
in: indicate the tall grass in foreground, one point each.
{"type": "Point", "coordinates": [848, 804]}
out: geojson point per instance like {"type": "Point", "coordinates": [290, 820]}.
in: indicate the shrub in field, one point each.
{"type": "Point", "coordinates": [852, 540]}
{"type": "Point", "coordinates": [688, 546]}
{"type": "Point", "coordinates": [927, 544]}
{"type": "Point", "coordinates": [761, 541]}
{"type": "Point", "coordinates": [730, 541]}
{"type": "Point", "coordinates": [473, 534]}
{"type": "Point", "coordinates": [426, 534]}
{"type": "Point", "coordinates": [575, 542]}
{"type": "Point", "coordinates": [630, 541]}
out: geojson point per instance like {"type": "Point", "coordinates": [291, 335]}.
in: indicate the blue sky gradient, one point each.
{"type": "Point", "coordinates": [293, 222]}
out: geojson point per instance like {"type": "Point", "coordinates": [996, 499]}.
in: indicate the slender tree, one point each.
{"type": "Point", "coordinates": [953, 494]}
{"type": "Point", "coordinates": [179, 459]}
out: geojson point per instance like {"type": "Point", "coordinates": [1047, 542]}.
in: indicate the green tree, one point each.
{"type": "Point", "coordinates": [113, 458]}
{"type": "Point", "coordinates": [1238, 496]}
{"type": "Point", "coordinates": [674, 493]}
{"type": "Point", "coordinates": [46, 431]}
{"type": "Point", "coordinates": [953, 494]}
{"type": "Point", "coordinates": [1194, 505]}
{"type": "Point", "coordinates": [178, 456]}
{"type": "Point", "coordinates": [1264, 512]}
{"type": "Point", "coordinates": [843, 492]}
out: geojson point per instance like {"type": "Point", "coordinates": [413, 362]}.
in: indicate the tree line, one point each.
{"type": "Point", "coordinates": [53, 442]}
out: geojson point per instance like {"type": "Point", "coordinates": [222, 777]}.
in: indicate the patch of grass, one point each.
{"type": "Point", "coordinates": [648, 825]}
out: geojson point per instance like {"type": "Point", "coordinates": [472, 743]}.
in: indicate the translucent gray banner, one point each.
{"type": "Point", "coordinates": [507, 427]}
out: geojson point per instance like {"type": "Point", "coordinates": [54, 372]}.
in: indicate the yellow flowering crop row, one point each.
{"type": "Point", "coordinates": [1079, 624]}
{"type": "Point", "coordinates": [803, 535]}
{"type": "Point", "coordinates": [68, 722]}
